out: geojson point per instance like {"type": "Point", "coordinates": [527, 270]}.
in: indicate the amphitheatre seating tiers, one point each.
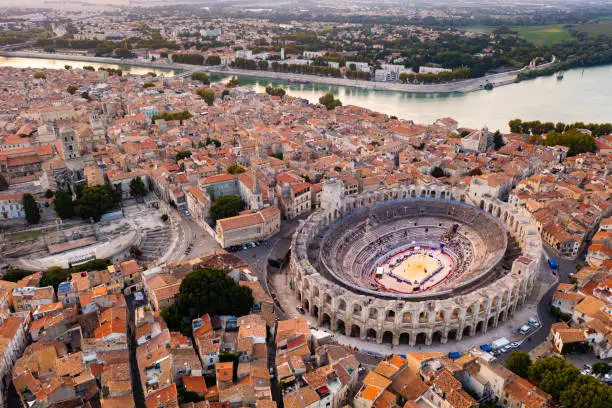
{"type": "Point", "coordinates": [496, 254]}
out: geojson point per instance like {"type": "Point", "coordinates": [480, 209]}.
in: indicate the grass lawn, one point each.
{"type": "Point", "coordinates": [22, 236]}
{"type": "Point", "coordinates": [603, 27]}
{"type": "Point", "coordinates": [543, 35]}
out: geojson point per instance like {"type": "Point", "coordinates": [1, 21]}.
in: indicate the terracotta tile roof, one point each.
{"type": "Point", "coordinates": [166, 396]}
{"type": "Point", "coordinates": [530, 395]}
{"type": "Point", "coordinates": [376, 380]}
{"type": "Point", "coordinates": [589, 306]}
{"type": "Point", "coordinates": [386, 369]}
{"type": "Point", "coordinates": [409, 385]}
{"type": "Point", "coordinates": [571, 335]}
{"type": "Point", "coordinates": [194, 383]}
{"type": "Point", "coordinates": [446, 381]}
{"type": "Point", "coordinates": [385, 400]}
{"type": "Point", "coordinates": [70, 365]}
{"type": "Point", "coordinates": [461, 399]}
{"type": "Point", "coordinates": [369, 392]}
{"type": "Point", "coordinates": [126, 401]}
{"type": "Point", "coordinates": [224, 371]}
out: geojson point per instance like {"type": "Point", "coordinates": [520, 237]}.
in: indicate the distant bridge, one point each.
{"type": "Point", "coordinates": [201, 69]}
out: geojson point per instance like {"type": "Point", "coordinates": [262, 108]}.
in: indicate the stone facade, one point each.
{"type": "Point", "coordinates": [404, 320]}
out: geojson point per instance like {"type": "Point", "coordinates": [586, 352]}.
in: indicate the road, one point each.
{"type": "Point", "coordinates": [189, 239]}
{"type": "Point", "coordinates": [137, 391]}
{"type": "Point", "coordinates": [467, 85]}
{"type": "Point", "coordinates": [272, 248]}
{"type": "Point", "coordinates": [193, 240]}
{"type": "Point", "coordinates": [546, 318]}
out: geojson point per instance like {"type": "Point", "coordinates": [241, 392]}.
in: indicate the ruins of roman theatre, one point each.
{"type": "Point", "coordinates": [413, 265]}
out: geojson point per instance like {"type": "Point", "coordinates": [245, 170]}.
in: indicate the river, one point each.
{"type": "Point", "coordinates": [581, 96]}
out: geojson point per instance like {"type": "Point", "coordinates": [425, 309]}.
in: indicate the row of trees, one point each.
{"type": "Point", "coordinates": [353, 74]}
{"type": "Point", "coordinates": [561, 380]}
{"type": "Point", "coordinates": [210, 291]}
{"type": "Point", "coordinates": [192, 59]}
{"type": "Point", "coordinates": [537, 128]}
{"type": "Point", "coordinates": [577, 141]}
{"type": "Point", "coordinates": [181, 115]}
{"type": "Point", "coordinates": [112, 71]}
{"type": "Point", "coordinates": [442, 77]}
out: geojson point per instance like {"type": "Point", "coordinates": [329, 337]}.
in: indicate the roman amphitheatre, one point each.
{"type": "Point", "coordinates": [413, 265]}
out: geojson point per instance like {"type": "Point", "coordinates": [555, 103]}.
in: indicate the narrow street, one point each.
{"type": "Point", "coordinates": [137, 391]}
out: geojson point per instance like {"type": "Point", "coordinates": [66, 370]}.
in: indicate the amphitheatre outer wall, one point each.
{"type": "Point", "coordinates": [412, 320]}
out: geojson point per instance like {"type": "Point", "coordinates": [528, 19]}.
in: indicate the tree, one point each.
{"type": "Point", "coordinates": [53, 277]}
{"type": "Point", "coordinates": [519, 363]}
{"type": "Point", "coordinates": [137, 187]}
{"type": "Point", "coordinates": [577, 141]}
{"type": "Point", "coordinates": [586, 392]}
{"type": "Point", "coordinates": [63, 205]}
{"type": "Point", "coordinates": [93, 265]}
{"type": "Point", "coordinates": [498, 140]}
{"type": "Point", "coordinates": [183, 154]}
{"type": "Point", "coordinates": [72, 89]}
{"type": "Point", "coordinates": [89, 68]}
{"type": "Point", "coordinates": [601, 368]}
{"type": "Point", "coordinates": [123, 53]}
{"type": "Point", "coordinates": [40, 75]}
{"type": "Point", "coordinates": [192, 59]}
{"type": "Point", "coordinates": [213, 60]}
{"type": "Point", "coordinates": [3, 183]}
{"type": "Point", "coordinates": [233, 82]}
{"type": "Point", "coordinates": [329, 101]}
{"type": "Point", "coordinates": [85, 95]}
{"type": "Point", "coordinates": [214, 292]}
{"type": "Point", "coordinates": [164, 217]}
{"type": "Point", "coordinates": [438, 172]}
{"type": "Point", "coordinates": [275, 91]}
{"type": "Point", "coordinates": [207, 94]}
{"type": "Point", "coordinates": [200, 76]}
{"type": "Point", "coordinates": [235, 169]}
{"type": "Point", "coordinates": [148, 84]}
{"type": "Point", "coordinates": [15, 274]}
{"type": "Point", "coordinates": [67, 67]}
{"type": "Point", "coordinates": [215, 142]}
{"type": "Point", "coordinates": [181, 115]}
{"type": "Point", "coordinates": [30, 207]}
{"type": "Point", "coordinates": [227, 206]}
{"type": "Point", "coordinates": [96, 201]}
{"type": "Point", "coordinates": [552, 375]}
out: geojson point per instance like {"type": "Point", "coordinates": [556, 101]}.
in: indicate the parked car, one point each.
{"type": "Point", "coordinates": [515, 345]}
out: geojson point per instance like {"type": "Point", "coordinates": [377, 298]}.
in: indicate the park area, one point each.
{"type": "Point", "coordinates": [547, 35]}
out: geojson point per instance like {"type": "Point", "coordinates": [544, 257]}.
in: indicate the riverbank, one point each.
{"type": "Point", "coordinates": [465, 86]}
{"type": "Point", "coordinates": [98, 60]}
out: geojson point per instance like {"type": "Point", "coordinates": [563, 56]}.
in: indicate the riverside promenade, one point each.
{"type": "Point", "coordinates": [464, 86]}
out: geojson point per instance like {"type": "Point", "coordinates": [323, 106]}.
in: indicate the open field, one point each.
{"type": "Point", "coordinates": [23, 236]}
{"type": "Point", "coordinates": [604, 26]}
{"type": "Point", "coordinates": [544, 35]}
{"type": "Point", "coordinates": [478, 29]}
